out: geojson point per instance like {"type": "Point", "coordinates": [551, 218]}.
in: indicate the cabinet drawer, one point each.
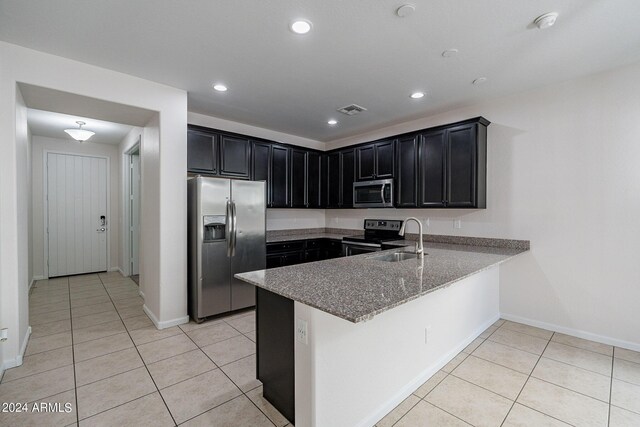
{"type": "Point", "coordinates": [285, 246]}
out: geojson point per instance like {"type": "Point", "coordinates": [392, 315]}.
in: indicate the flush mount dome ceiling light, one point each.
{"type": "Point", "coordinates": [220, 87]}
{"type": "Point", "coordinates": [300, 26]}
{"type": "Point", "coordinates": [405, 10]}
{"type": "Point", "coordinates": [80, 134]}
{"type": "Point", "coordinates": [545, 21]}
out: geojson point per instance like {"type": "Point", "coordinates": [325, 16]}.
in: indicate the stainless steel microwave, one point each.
{"type": "Point", "coordinates": [373, 194]}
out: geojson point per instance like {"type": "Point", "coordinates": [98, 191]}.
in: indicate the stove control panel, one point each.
{"type": "Point", "coordinates": [383, 224]}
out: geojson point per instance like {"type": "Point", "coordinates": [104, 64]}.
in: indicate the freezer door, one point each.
{"type": "Point", "coordinates": [249, 241]}
{"type": "Point", "coordinates": [213, 292]}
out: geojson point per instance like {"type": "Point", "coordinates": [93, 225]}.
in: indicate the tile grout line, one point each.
{"type": "Point", "coordinates": [527, 380]}
{"type": "Point", "coordinates": [613, 359]}
{"type": "Point", "coordinates": [143, 362]}
{"type": "Point", "coordinates": [73, 358]}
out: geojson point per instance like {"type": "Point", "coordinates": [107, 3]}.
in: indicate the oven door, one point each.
{"type": "Point", "coordinates": [351, 248]}
{"type": "Point", "coordinates": [373, 194]}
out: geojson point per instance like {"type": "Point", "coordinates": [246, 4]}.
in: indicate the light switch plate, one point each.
{"type": "Point", "coordinates": [301, 331]}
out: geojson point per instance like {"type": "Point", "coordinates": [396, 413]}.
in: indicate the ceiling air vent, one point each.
{"type": "Point", "coordinates": [351, 110]}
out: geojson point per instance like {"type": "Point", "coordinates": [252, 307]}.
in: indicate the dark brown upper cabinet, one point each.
{"type": "Point", "coordinates": [202, 152]}
{"type": "Point", "coordinates": [280, 183]}
{"type": "Point", "coordinates": [347, 177]}
{"type": "Point", "coordinates": [305, 179]}
{"type": "Point", "coordinates": [235, 157]}
{"type": "Point", "coordinates": [431, 181]}
{"type": "Point", "coordinates": [407, 171]}
{"type": "Point", "coordinates": [375, 161]}
{"type": "Point", "coordinates": [333, 194]}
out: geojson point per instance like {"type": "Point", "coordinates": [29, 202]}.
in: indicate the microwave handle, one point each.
{"type": "Point", "coordinates": [382, 193]}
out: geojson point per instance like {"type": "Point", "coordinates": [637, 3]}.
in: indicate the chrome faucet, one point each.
{"type": "Point", "coordinates": [419, 247]}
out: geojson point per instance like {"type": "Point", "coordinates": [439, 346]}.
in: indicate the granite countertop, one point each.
{"type": "Point", "coordinates": [290, 237]}
{"type": "Point", "coordinates": [359, 287]}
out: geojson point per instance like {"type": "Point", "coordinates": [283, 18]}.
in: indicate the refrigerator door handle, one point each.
{"type": "Point", "coordinates": [235, 228]}
{"type": "Point", "coordinates": [229, 230]}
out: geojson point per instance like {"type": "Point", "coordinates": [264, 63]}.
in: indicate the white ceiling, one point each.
{"type": "Point", "coordinates": [358, 52]}
{"type": "Point", "coordinates": [52, 125]}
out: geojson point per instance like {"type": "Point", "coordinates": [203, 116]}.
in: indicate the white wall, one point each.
{"type": "Point", "coordinates": [168, 234]}
{"type": "Point", "coordinates": [562, 172]}
{"type": "Point", "coordinates": [39, 145]}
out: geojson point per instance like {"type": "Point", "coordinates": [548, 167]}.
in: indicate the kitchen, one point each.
{"type": "Point", "coordinates": [560, 174]}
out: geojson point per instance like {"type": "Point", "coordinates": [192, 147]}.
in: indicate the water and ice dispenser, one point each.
{"type": "Point", "coordinates": [214, 227]}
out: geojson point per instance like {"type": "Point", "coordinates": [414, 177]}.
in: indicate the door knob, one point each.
{"type": "Point", "coordinates": [102, 230]}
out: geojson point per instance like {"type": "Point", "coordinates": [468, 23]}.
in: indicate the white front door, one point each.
{"type": "Point", "coordinates": [76, 214]}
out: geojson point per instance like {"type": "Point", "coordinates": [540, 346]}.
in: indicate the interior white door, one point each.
{"type": "Point", "coordinates": [134, 218]}
{"type": "Point", "coordinates": [76, 214]}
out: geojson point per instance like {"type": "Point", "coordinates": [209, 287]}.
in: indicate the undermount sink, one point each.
{"type": "Point", "coordinates": [395, 256]}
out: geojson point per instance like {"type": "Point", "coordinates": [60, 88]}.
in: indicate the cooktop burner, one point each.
{"type": "Point", "coordinates": [377, 231]}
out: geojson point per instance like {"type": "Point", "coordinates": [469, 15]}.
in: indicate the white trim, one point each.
{"type": "Point", "coordinates": [573, 332]}
{"type": "Point", "coordinates": [167, 323]}
{"type": "Point", "coordinates": [45, 205]}
{"type": "Point", "coordinates": [126, 232]}
{"type": "Point", "coordinates": [36, 278]}
{"type": "Point", "coordinates": [112, 269]}
{"type": "Point", "coordinates": [17, 361]}
{"type": "Point", "coordinates": [33, 280]}
{"type": "Point", "coordinates": [410, 387]}
{"type": "Point", "coordinates": [140, 292]}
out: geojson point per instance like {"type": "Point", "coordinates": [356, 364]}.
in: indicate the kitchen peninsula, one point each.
{"type": "Point", "coordinates": [364, 326]}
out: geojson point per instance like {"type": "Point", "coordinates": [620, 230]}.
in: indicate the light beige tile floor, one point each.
{"type": "Point", "coordinates": [93, 346]}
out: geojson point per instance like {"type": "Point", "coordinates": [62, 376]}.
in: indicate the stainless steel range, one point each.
{"type": "Point", "coordinates": [376, 231]}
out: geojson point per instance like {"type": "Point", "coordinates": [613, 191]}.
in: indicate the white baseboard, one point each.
{"type": "Point", "coordinates": [112, 269]}
{"type": "Point", "coordinates": [406, 391]}
{"type": "Point", "coordinates": [17, 361]}
{"type": "Point", "coordinates": [573, 332]}
{"type": "Point", "coordinates": [140, 292]}
{"type": "Point", "coordinates": [167, 323]}
{"type": "Point", "coordinates": [31, 283]}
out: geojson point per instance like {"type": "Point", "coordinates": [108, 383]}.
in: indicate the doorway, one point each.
{"type": "Point", "coordinates": [134, 213]}
{"type": "Point", "coordinates": [76, 213]}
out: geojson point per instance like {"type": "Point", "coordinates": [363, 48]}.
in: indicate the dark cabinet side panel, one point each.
{"type": "Point", "coordinates": [275, 350]}
{"type": "Point", "coordinates": [333, 180]}
{"type": "Point", "coordinates": [461, 167]}
{"type": "Point", "coordinates": [347, 161]}
{"type": "Point", "coordinates": [432, 172]}
{"type": "Point", "coordinates": [384, 160]}
{"type": "Point", "coordinates": [235, 157]}
{"type": "Point", "coordinates": [202, 152]}
{"type": "Point", "coordinates": [407, 172]}
{"type": "Point", "coordinates": [298, 178]}
{"type": "Point", "coordinates": [280, 177]}
{"type": "Point", "coordinates": [313, 180]}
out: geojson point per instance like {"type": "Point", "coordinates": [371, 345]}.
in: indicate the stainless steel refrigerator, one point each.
{"type": "Point", "coordinates": [226, 228]}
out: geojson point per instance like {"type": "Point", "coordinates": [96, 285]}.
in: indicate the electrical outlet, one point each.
{"type": "Point", "coordinates": [427, 334]}
{"type": "Point", "coordinates": [301, 331]}
{"type": "Point", "coordinates": [4, 334]}
{"type": "Point", "coordinates": [457, 223]}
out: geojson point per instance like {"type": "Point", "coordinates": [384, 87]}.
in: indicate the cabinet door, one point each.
{"type": "Point", "coordinates": [347, 161]}
{"type": "Point", "coordinates": [366, 162]}
{"type": "Point", "coordinates": [333, 180]}
{"type": "Point", "coordinates": [274, 261]}
{"type": "Point", "coordinates": [298, 178]}
{"type": "Point", "coordinates": [407, 175]}
{"type": "Point", "coordinates": [324, 180]}
{"type": "Point", "coordinates": [313, 180]}
{"type": "Point", "coordinates": [202, 152]}
{"type": "Point", "coordinates": [312, 255]}
{"type": "Point", "coordinates": [235, 157]}
{"type": "Point", "coordinates": [279, 177]}
{"type": "Point", "coordinates": [432, 169]}
{"type": "Point", "coordinates": [384, 160]}
{"type": "Point", "coordinates": [461, 167]}
{"type": "Point", "coordinates": [292, 258]}
{"type": "Point", "coordinates": [261, 165]}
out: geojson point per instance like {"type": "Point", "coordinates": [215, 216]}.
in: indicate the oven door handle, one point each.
{"type": "Point", "coordinates": [369, 245]}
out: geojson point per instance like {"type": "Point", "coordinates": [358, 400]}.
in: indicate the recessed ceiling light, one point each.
{"type": "Point", "coordinates": [220, 87]}
{"type": "Point", "coordinates": [300, 26]}
{"type": "Point", "coordinates": [545, 21]}
{"type": "Point", "coordinates": [405, 10]}
{"type": "Point", "coordinates": [480, 80]}
{"type": "Point", "coordinates": [332, 122]}
{"type": "Point", "coordinates": [417, 95]}
{"type": "Point", "coordinates": [449, 53]}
